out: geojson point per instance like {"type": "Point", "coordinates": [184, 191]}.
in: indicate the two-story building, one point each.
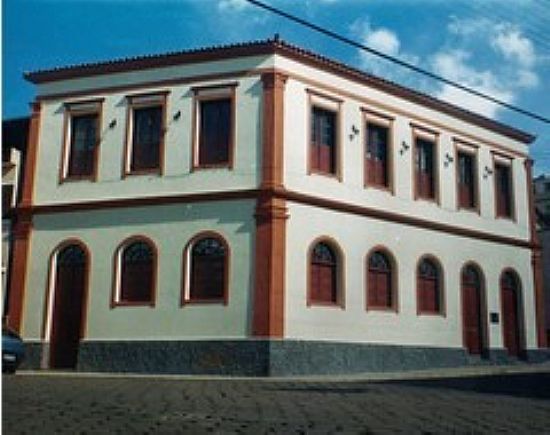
{"type": "Point", "coordinates": [260, 209]}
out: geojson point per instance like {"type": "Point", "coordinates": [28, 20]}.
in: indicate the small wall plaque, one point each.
{"type": "Point", "coordinates": [494, 318]}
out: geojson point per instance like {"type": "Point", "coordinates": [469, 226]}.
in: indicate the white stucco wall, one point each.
{"type": "Point", "coordinates": [351, 189]}
{"type": "Point", "coordinates": [170, 227]}
{"type": "Point", "coordinates": [356, 236]}
{"type": "Point", "coordinates": [178, 177]}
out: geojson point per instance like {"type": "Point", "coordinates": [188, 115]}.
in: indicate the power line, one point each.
{"type": "Point", "coordinates": [400, 62]}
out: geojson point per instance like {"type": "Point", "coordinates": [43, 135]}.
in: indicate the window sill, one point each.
{"type": "Point", "coordinates": [329, 175]}
{"type": "Point", "coordinates": [431, 313]}
{"type": "Point", "coordinates": [380, 187]}
{"type": "Point", "coordinates": [506, 218]}
{"type": "Point", "coordinates": [76, 178]}
{"type": "Point", "coordinates": [227, 166]}
{"type": "Point", "coordinates": [144, 304]}
{"type": "Point", "coordinates": [325, 304]}
{"type": "Point", "coordinates": [434, 201]}
{"type": "Point", "coordinates": [155, 171]}
{"type": "Point", "coordinates": [382, 309]}
{"type": "Point", "coordinates": [204, 302]}
{"type": "Point", "coordinates": [474, 209]}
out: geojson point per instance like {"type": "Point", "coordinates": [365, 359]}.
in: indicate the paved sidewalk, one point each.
{"type": "Point", "coordinates": [455, 401]}
{"type": "Point", "coordinates": [453, 372]}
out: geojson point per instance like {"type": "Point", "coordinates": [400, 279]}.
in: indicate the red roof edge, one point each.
{"type": "Point", "coordinates": [271, 46]}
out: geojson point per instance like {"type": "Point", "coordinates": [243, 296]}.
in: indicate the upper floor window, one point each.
{"type": "Point", "coordinates": [324, 274]}
{"type": "Point", "coordinates": [214, 126]}
{"type": "Point", "coordinates": [429, 287]}
{"type": "Point", "coordinates": [136, 262]}
{"type": "Point", "coordinates": [380, 288]}
{"type": "Point", "coordinates": [146, 133]}
{"type": "Point", "coordinates": [81, 140]}
{"type": "Point", "coordinates": [207, 262]}
{"type": "Point", "coordinates": [425, 169]}
{"type": "Point", "coordinates": [466, 180]}
{"type": "Point", "coordinates": [503, 187]}
{"type": "Point", "coordinates": [323, 141]}
{"type": "Point", "coordinates": [377, 155]}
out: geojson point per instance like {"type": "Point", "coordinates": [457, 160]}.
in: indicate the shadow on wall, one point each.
{"type": "Point", "coordinates": [526, 385]}
{"type": "Point", "coordinates": [236, 212]}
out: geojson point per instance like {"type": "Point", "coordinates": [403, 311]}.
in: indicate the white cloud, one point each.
{"type": "Point", "coordinates": [232, 5]}
{"type": "Point", "coordinates": [453, 65]}
{"type": "Point", "coordinates": [512, 44]}
{"type": "Point", "coordinates": [503, 66]}
{"type": "Point", "coordinates": [385, 41]}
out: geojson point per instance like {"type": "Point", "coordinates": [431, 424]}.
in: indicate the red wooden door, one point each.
{"type": "Point", "coordinates": [510, 322]}
{"type": "Point", "coordinates": [70, 282]}
{"type": "Point", "coordinates": [471, 321]}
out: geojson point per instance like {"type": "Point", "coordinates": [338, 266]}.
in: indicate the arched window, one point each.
{"type": "Point", "coordinates": [208, 269]}
{"type": "Point", "coordinates": [429, 287]}
{"type": "Point", "coordinates": [323, 282]}
{"type": "Point", "coordinates": [137, 272]}
{"type": "Point", "coordinates": [379, 281]}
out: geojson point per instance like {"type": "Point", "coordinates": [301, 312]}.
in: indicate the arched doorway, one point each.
{"type": "Point", "coordinates": [471, 310]}
{"type": "Point", "coordinates": [70, 282]}
{"type": "Point", "coordinates": [510, 300]}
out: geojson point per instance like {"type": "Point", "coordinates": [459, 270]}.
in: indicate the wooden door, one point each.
{"type": "Point", "coordinates": [69, 298]}
{"type": "Point", "coordinates": [471, 313]}
{"type": "Point", "coordinates": [510, 321]}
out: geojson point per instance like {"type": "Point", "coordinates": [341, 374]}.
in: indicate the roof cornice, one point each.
{"type": "Point", "coordinates": [266, 47]}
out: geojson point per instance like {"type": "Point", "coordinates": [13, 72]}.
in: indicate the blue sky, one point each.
{"type": "Point", "coordinates": [500, 47]}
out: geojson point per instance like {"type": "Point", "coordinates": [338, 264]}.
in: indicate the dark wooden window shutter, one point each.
{"type": "Point", "coordinates": [503, 190]}
{"type": "Point", "coordinates": [323, 141]}
{"type": "Point", "coordinates": [466, 180]}
{"type": "Point", "coordinates": [83, 143]}
{"type": "Point", "coordinates": [376, 159]}
{"type": "Point", "coordinates": [146, 138]}
{"type": "Point", "coordinates": [428, 287]}
{"type": "Point", "coordinates": [137, 273]}
{"type": "Point", "coordinates": [208, 269]}
{"type": "Point", "coordinates": [379, 281]}
{"type": "Point", "coordinates": [215, 132]}
{"type": "Point", "coordinates": [425, 169]}
{"type": "Point", "coordinates": [323, 275]}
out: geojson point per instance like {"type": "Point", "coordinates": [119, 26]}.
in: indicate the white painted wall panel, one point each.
{"type": "Point", "coordinates": [356, 236]}
{"type": "Point", "coordinates": [351, 189]}
{"type": "Point", "coordinates": [178, 178]}
{"type": "Point", "coordinates": [170, 227]}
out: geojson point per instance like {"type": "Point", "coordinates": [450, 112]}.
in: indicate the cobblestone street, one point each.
{"type": "Point", "coordinates": [38, 404]}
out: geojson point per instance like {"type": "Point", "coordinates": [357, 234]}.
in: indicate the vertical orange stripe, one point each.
{"type": "Point", "coordinates": [271, 215]}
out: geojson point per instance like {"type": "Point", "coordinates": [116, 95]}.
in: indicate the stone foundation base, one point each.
{"type": "Point", "coordinates": [269, 357]}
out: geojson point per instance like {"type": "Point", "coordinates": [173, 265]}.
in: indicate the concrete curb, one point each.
{"type": "Point", "coordinates": [443, 373]}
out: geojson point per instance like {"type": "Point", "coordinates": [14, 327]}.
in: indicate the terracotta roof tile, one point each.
{"type": "Point", "coordinates": [270, 46]}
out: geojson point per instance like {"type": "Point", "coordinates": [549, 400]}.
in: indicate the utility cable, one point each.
{"type": "Point", "coordinates": [400, 62]}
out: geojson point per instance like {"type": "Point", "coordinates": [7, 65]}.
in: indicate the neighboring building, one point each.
{"type": "Point", "coordinates": [260, 209]}
{"type": "Point", "coordinates": [14, 141]}
{"type": "Point", "coordinates": [542, 194]}
{"type": "Point", "coordinates": [542, 205]}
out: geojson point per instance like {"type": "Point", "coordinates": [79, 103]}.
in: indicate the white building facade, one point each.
{"type": "Point", "coordinates": [259, 209]}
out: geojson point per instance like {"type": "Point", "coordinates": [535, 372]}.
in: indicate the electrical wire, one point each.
{"type": "Point", "coordinates": [397, 61]}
